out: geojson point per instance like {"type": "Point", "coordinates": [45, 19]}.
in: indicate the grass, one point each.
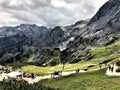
{"type": "Point", "coordinates": [101, 54]}
{"type": "Point", "coordinates": [118, 69]}
{"type": "Point", "coordinates": [95, 80]}
{"type": "Point", "coordinates": [48, 69]}
{"type": "Point", "coordinates": [38, 70]}
{"type": "Point", "coordinates": [106, 52]}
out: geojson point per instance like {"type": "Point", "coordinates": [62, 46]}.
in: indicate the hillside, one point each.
{"type": "Point", "coordinates": [69, 57]}
{"type": "Point", "coordinates": [22, 41]}
{"type": "Point", "coordinates": [95, 80]}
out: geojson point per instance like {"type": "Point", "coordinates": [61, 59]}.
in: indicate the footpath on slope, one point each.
{"type": "Point", "coordinates": [38, 78]}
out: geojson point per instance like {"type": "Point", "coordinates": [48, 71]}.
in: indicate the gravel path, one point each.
{"type": "Point", "coordinates": [38, 78]}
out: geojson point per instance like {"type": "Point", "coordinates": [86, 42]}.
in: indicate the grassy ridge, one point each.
{"type": "Point", "coordinates": [106, 52]}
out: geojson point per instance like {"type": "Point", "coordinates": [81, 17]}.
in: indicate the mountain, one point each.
{"type": "Point", "coordinates": [26, 40]}
{"type": "Point", "coordinates": [103, 29]}
{"type": "Point", "coordinates": [74, 41]}
{"type": "Point", "coordinates": [105, 24]}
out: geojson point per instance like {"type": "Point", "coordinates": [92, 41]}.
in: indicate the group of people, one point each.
{"type": "Point", "coordinates": [29, 75]}
{"type": "Point", "coordinates": [111, 68]}
{"type": "Point", "coordinates": [19, 77]}
{"type": "Point", "coordinates": [4, 70]}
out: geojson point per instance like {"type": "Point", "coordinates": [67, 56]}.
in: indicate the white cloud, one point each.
{"type": "Point", "coordinates": [47, 12]}
{"type": "Point", "coordinates": [59, 3]}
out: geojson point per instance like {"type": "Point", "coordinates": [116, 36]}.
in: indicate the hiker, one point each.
{"type": "Point", "coordinates": [24, 74]}
{"type": "Point", "coordinates": [112, 68]}
{"type": "Point", "coordinates": [0, 73]}
{"type": "Point", "coordinates": [109, 67]}
{"type": "Point", "coordinates": [32, 75]}
{"type": "Point", "coordinates": [56, 73]}
{"type": "Point", "coordinates": [77, 70]}
{"type": "Point", "coordinates": [100, 66]}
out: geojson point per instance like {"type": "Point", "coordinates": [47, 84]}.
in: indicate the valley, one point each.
{"type": "Point", "coordinates": [80, 56]}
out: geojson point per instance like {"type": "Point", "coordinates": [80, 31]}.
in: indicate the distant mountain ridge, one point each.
{"type": "Point", "coordinates": [31, 38]}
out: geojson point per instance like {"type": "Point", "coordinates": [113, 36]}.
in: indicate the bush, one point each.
{"type": "Point", "coordinates": [90, 66]}
{"type": "Point", "coordinates": [85, 69]}
{"type": "Point", "coordinates": [22, 86]}
{"type": "Point", "coordinates": [118, 63]}
{"type": "Point", "coordinates": [54, 61]}
{"type": "Point", "coordinates": [118, 69]}
{"type": "Point", "coordinates": [106, 61]}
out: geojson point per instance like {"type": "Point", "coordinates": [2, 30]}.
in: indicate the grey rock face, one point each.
{"type": "Point", "coordinates": [102, 29]}
{"type": "Point", "coordinates": [24, 39]}
{"type": "Point", "coordinates": [105, 23]}
{"type": "Point", "coordinates": [73, 40]}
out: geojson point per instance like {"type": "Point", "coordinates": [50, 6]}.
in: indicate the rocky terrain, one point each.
{"type": "Point", "coordinates": [24, 40]}
{"type": "Point", "coordinates": [73, 41]}
{"type": "Point", "coordinates": [103, 29]}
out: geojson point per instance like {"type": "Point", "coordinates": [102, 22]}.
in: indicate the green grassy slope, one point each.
{"type": "Point", "coordinates": [96, 80]}
{"type": "Point", "coordinates": [110, 53]}
{"type": "Point", "coordinates": [100, 55]}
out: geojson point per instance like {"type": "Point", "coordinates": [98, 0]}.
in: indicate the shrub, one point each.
{"type": "Point", "coordinates": [118, 69]}
{"type": "Point", "coordinates": [22, 86]}
{"type": "Point", "coordinates": [118, 63]}
{"type": "Point", "coordinates": [54, 61]}
{"type": "Point", "coordinates": [85, 69]}
{"type": "Point", "coordinates": [106, 61]}
{"type": "Point", "coordinates": [90, 66]}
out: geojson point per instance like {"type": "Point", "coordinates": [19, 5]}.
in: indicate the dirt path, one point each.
{"type": "Point", "coordinates": [38, 78]}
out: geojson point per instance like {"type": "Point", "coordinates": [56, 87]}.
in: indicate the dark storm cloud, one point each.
{"type": "Point", "coordinates": [47, 12]}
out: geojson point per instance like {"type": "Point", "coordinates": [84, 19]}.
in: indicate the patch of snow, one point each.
{"type": "Point", "coordinates": [63, 46]}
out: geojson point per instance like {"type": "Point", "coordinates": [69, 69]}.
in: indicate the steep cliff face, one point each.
{"type": "Point", "coordinates": [102, 29]}
{"type": "Point", "coordinates": [104, 26]}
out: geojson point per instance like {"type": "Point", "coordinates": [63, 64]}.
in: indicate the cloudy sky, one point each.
{"type": "Point", "coordinates": [46, 12]}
